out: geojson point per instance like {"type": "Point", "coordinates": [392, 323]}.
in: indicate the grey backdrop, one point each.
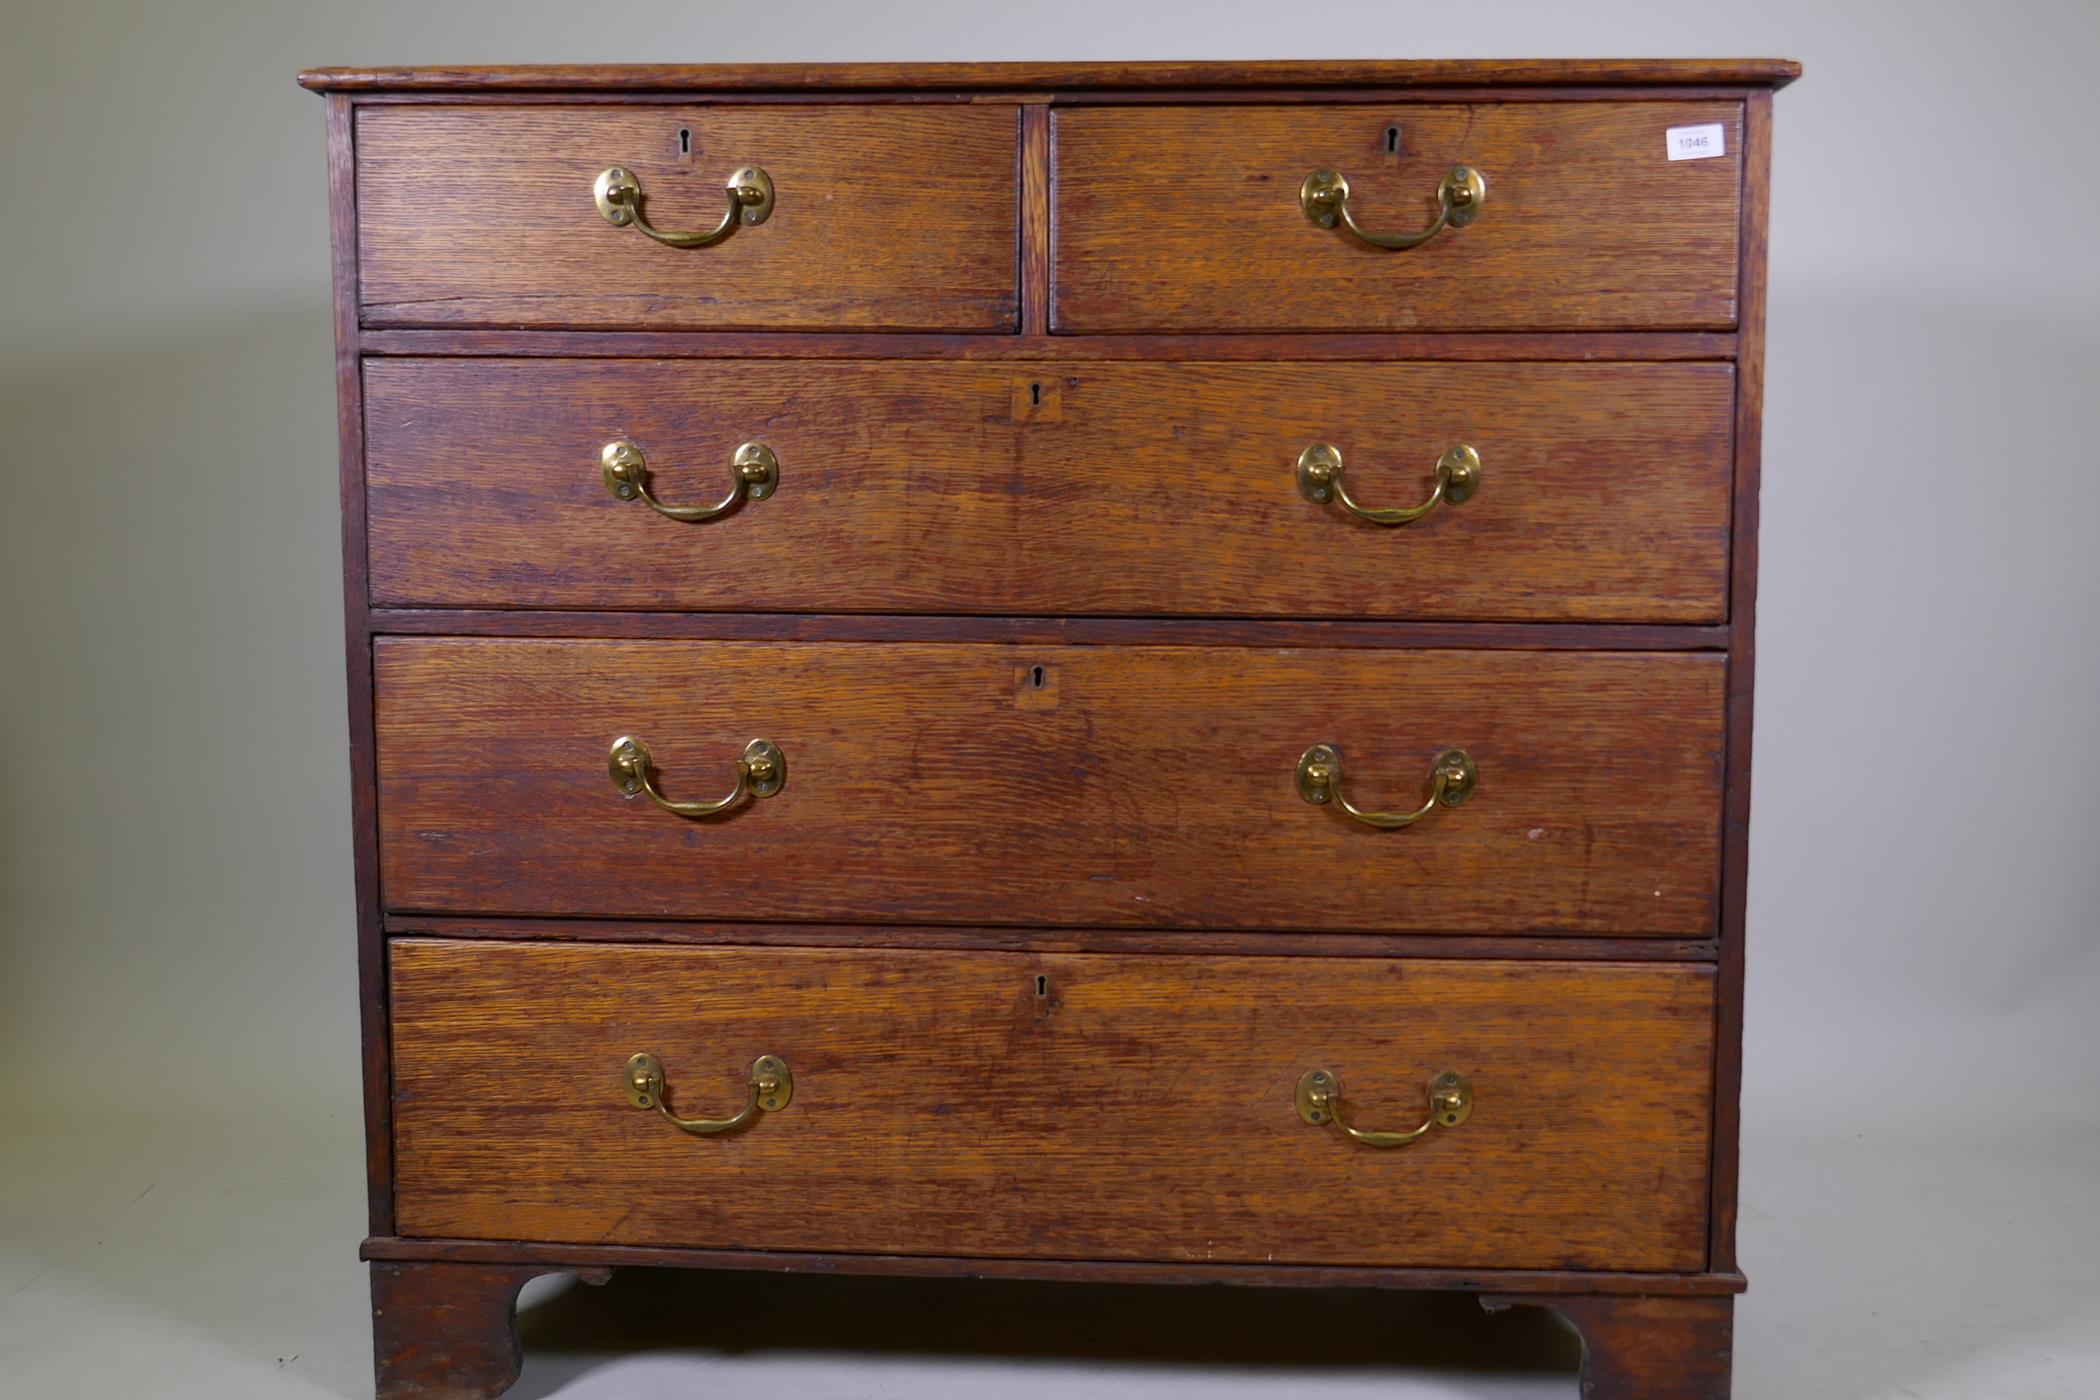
{"type": "Point", "coordinates": [175, 894]}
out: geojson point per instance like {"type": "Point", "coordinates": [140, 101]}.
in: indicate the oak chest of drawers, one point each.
{"type": "Point", "coordinates": [1079, 671]}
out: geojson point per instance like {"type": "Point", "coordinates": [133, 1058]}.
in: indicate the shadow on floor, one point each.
{"type": "Point", "coordinates": [579, 1328]}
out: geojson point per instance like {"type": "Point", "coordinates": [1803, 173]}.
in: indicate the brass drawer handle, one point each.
{"type": "Point", "coordinates": [1451, 781]}
{"type": "Point", "coordinates": [1320, 1101]}
{"type": "Point", "coordinates": [754, 472]}
{"type": "Point", "coordinates": [762, 771]}
{"type": "Point", "coordinates": [619, 196]}
{"type": "Point", "coordinates": [1320, 481]}
{"type": "Point", "coordinates": [1325, 198]}
{"type": "Point", "coordinates": [768, 1089]}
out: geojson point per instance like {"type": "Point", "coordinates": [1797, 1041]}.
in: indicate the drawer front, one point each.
{"type": "Point", "coordinates": [1603, 489]}
{"type": "Point", "coordinates": [1122, 786]}
{"type": "Point", "coordinates": [1189, 218]}
{"type": "Point", "coordinates": [1087, 1106]}
{"type": "Point", "coordinates": [882, 218]}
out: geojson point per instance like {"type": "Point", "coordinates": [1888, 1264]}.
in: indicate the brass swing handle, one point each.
{"type": "Point", "coordinates": [1320, 481]}
{"type": "Point", "coordinates": [761, 772]}
{"type": "Point", "coordinates": [1325, 199]}
{"type": "Point", "coordinates": [1452, 779]}
{"type": "Point", "coordinates": [1320, 1101]}
{"type": "Point", "coordinates": [754, 473]}
{"type": "Point", "coordinates": [769, 1087]}
{"type": "Point", "coordinates": [619, 197]}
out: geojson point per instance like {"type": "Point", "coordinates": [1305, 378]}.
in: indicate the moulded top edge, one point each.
{"type": "Point", "coordinates": [849, 77]}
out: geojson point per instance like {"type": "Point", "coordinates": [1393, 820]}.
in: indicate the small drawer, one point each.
{"type": "Point", "coordinates": [1195, 218]}
{"type": "Point", "coordinates": [896, 217]}
{"type": "Point", "coordinates": [1584, 492]}
{"type": "Point", "coordinates": [1077, 1106]}
{"type": "Point", "coordinates": [1156, 786]}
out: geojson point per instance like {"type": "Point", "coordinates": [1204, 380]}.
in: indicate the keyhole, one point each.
{"type": "Point", "coordinates": [1392, 140]}
{"type": "Point", "coordinates": [1035, 678]}
{"type": "Point", "coordinates": [1042, 985]}
{"type": "Point", "coordinates": [685, 140]}
{"type": "Point", "coordinates": [1035, 395]}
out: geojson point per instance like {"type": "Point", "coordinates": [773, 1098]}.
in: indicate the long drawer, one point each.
{"type": "Point", "coordinates": [1082, 1106]}
{"type": "Point", "coordinates": [1194, 218]}
{"type": "Point", "coordinates": [896, 217]}
{"type": "Point", "coordinates": [1601, 492]}
{"type": "Point", "coordinates": [1145, 785]}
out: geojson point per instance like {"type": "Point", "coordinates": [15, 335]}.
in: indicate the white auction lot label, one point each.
{"type": "Point", "coordinates": [1697, 142]}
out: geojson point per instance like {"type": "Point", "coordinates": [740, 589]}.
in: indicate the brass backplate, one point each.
{"type": "Point", "coordinates": [1316, 1090]}
{"type": "Point", "coordinates": [757, 468]}
{"type": "Point", "coordinates": [1451, 1098]}
{"type": "Point", "coordinates": [626, 763]}
{"type": "Point", "coordinates": [1462, 464]}
{"type": "Point", "coordinates": [776, 1086]}
{"type": "Point", "coordinates": [770, 1076]}
{"type": "Point", "coordinates": [1320, 756]}
{"type": "Point", "coordinates": [1321, 195]}
{"type": "Point", "coordinates": [645, 1078]}
{"type": "Point", "coordinates": [1465, 190]}
{"type": "Point", "coordinates": [1465, 777]}
{"type": "Point", "coordinates": [1318, 466]}
{"type": "Point", "coordinates": [615, 190]}
{"type": "Point", "coordinates": [622, 464]}
{"type": "Point", "coordinates": [762, 756]}
{"type": "Point", "coordinates": [753, 189]}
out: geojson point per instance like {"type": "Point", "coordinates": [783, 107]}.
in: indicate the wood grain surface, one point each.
{"type": "Point", "coordinates": [1073, 488]}
{"type": "Point", "coordinates": [1187, 218]}
{"type": "Point", "coordinates": [891, 218]}
{"type": "Point", "coordinates": [1088, 786]}
{"type": "Point", "coordinates": [1070, 1105]}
